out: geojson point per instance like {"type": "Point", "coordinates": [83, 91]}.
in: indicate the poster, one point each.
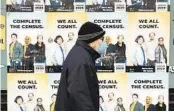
{"type": "Point", "coordinates": [148, 89]}
{"type": "Point", "coordinates": [53, 86]}
{"type": "Point", "coordinates": [25, 5]}
{"type": "Point", "coordinates": [61, 32]}
{"type": "Point", "coordinates": [113, 91]}
{"type": "Point", "coordinates": [59, 5]}
{"type": "Point", "coordinates": [114, 46]}
{"type": "Point", "coordinates": [27, 92]}
{"type": "Point", "coordinates": [26, 41]}
{"type": "Point", "coordinates": [148, 42]}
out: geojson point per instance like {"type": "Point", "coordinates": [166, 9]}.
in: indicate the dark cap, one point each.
{"type": "Point", "coordinates": [90, 32]}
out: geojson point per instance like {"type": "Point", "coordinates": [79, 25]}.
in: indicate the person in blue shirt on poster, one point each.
{"type": "Point", "coordinates": [55, 3]}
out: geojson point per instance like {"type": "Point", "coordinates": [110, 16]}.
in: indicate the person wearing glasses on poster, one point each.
{"type": "Point", "coordinates": [19, 101]}
{"type": "Point", "coordinates": [58, 56]}
{"type": "Point", "coordinates": [120, 106]}
{"type": "Point", "coordinates": [139, 54]}
{"type": "Point", "coordinates": [39, 106]}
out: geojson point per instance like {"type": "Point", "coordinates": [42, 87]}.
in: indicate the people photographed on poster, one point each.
{"type": "Point", "coordinates": [101, 51]}
{"type": "Point", "coordinates": [69, 43]}
{"type": "Point", "coordinates": [17, 2]}
{"type": "Point", "coordinates": [110, 2]}
{"type": "Point", "coordinates": [39, 50]}
{"type": "Point", "coordinates": [101, 107]}
{"type": "Point", "coordinates": [59, 53]}
{"type": "Point", "coordinates": [110, 47]}
{"type": "Point", "coordinates": [149, 4]}
{"type": "Point", "coordinates": [102, 48]}
{"type": "Point", "coordinates": [49, 51]}
{"type": "Point", "coordinates": [55, 3]}
{"type": "Point", "coordinates": [151, 46]}
{"type": "Point", "coordinates": [139, 57]}
{"type": "Point", "coordinates": [111, 104]}
{"type": "Point", "coordinates": [24, 2]}
{"type": "Point", "coordinates": [120, 50]}
{"type": "Point", "coordinates": [39, 106]}
{"type": "Point", "coordinates": [148, 105]}
{"type": "Point", "coordinates": [136, 105]}
{"type": "Point", "coordinates": [19, 101]}
{"type": "Point", "coordinates": [52, 105]}
{"type": "Point", "coordinates": [15, 51]}
{"type": "Point", "coordinates": [30, 104]}
{"type": "Point", "coordinates": [98, 2]}
{"type": "Point", "coordinates": [161, 52]}
{"type": "Point", "coordinates": [68, 4]}
{"type": "Point", "coordinates": [160, 106]}
{"type": "Point", "coordinates": [137, 3]}
{"type": "Point", "coordinates": [28, 58]}
{"type": "Point", "coordinates": [120, 106]}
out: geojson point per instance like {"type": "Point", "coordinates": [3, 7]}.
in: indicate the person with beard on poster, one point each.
{"type": "Point", "coordinates": [120, 106]}
{"type": "Point", "coordinates": [148, 105]}
{"type": "Point", "coordinates": [39, 51]}
{"type": "Point", "coordinates": [28, 58]}
{"type": "Point", "coordinates": [78, 88]}
{"type": "Point", "coordinates": [151, 46]}
{"type": "Point", "coordinates": [160, 106]}
{"type": "Point", "coordinates": [111, 104]}
{"type": "Point", "coordinates": [69, 43]}
{"type": "Point", "coordinates": [30, 103]}
{"type": "Point", "coordinates": [161, 52]}
{"type": "Point", "coordinates": [136, 105]}
{"type": "Point", "coordinates": [120, 50]}
{"type": "Point", "coordinates": [39, 106]}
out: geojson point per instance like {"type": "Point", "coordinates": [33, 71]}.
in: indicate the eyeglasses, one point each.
{"type": "Point", "coordinates": [102, 38]}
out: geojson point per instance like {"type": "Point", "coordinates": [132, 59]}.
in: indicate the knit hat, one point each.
{"type": "Point", "coordinates": [90, 32]}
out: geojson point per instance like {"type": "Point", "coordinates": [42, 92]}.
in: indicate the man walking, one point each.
{"type": "Point", "coordinates": [78, 89]}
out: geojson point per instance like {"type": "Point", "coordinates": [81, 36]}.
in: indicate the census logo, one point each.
{"type": "Point", "coordinates": [39, 68]}
{"type": "Point", "coordinates": [171, 69]}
